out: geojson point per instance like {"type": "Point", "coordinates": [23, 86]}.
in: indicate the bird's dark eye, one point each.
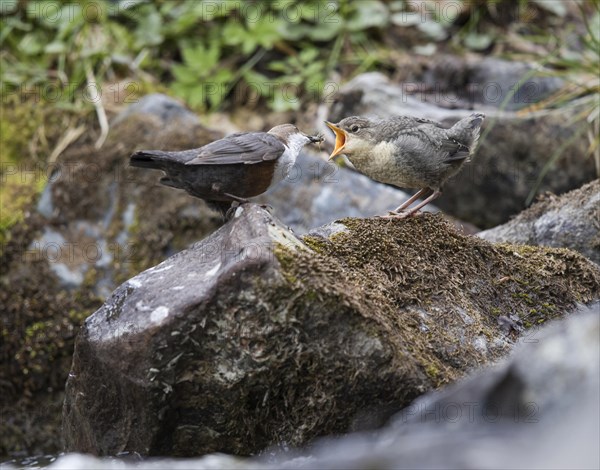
{"type": "Point", "coordinates": [354, 128]}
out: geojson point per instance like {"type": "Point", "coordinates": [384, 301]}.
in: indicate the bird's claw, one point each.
{"type": "Point", "coordinates": [399, 215]}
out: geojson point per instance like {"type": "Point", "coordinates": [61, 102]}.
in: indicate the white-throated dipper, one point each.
{"type": "Point", "coordinates": [234, 168]}
{"type": "Point", "coordinates": [407, 152]}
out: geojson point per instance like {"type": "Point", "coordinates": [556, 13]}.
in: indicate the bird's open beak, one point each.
{"type": "Point", "coordinates": [340, 139]}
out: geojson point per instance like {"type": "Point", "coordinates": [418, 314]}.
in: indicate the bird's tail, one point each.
{"type": "Point", "coordinates": [466, 131]}
{"type": "Point", "coordinates": [150, 159]}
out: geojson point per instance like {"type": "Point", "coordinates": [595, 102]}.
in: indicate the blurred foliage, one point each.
{"type": "Point", "coordinates": [210, 51]}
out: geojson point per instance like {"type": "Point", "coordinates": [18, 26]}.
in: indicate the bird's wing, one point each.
{"type": "Point", "coordinates": [409, 122]}
{"type": "Point", "coordinates": [247, 148]}
{"type": "Point", "coordinates": [456, 151]}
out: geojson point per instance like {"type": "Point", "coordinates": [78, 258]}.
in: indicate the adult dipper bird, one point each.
{"type": "Point", "coordinates": [407, 152]}
{"type": "Point", "coordinates": [234, 168]}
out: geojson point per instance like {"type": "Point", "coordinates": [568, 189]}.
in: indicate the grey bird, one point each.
{"type": "Point", "coordinates": [234, 168]}
{"type": "Point", "coordinates": [407, 152]}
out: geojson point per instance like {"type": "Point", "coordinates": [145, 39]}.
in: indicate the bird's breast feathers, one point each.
{"type": "Point", "coordinates": [375, 161]}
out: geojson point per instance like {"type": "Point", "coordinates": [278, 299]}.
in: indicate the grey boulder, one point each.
{"type": "Point", "coordinates": [568, 221]}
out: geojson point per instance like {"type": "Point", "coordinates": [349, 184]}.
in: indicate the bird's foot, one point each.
{"type": "Point", "coordinates": [229, 213]}
{"type": "Point", "coordinates": [399, 215]}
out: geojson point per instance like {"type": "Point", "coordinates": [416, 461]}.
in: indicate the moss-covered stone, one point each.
{"type": "Point", "coordinates": [249, 339]}
{"type": "Point", "coordinates": [414, 274]}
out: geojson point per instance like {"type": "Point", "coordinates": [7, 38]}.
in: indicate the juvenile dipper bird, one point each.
{"type": "Point", "coordinates": [407, 152]}
{"type": "Point", "coordinates": [234, 168]}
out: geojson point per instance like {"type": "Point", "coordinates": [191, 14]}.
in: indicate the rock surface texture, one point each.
{"type": "Point", "coordinates": [569, 221]}
{"type": "Point", "coordinates": [514, 149]}
{"type": "Point", "coordinates": [253, 337]}
{"type": "Point", "coordinates": [537, 409]}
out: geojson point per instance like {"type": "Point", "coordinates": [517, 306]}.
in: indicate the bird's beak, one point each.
{"type": "Point", "coordinates": [316, 139]}
{"type": "Point", "coordinates": [340, 139]}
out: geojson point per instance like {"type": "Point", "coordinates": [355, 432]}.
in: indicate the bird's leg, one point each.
{"type": "Point", "coordinates": [408, 202]}
{"type": "Point", "coordinates": [414, 210]}
{"type": "Point", "coordinates": [241, 200]}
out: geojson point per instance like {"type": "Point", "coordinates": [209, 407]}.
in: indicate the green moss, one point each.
{"type": "Point", "coordinates": [316, 244]}
{"type": "Point", "coordinates": [21, 180]}
{"type": "Point", "coordinates": [432, 371]}
{"type": "Point", "coordinates": [388, 271]}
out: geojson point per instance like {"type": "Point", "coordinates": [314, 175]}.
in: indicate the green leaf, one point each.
{"type": "Point", "coordinates": [368, 14]}
{"type": "Point", "coordinates": [265, 32]}
{"type": "Point", "coordinates": [56, 47]}
{"type": "Point", "coordinates": [184, 75]}
{"type": "Point", "coordinates": [234, 33]}
{"type": "Point", "coordinates": [325, 31]}
{"type": "Point", "coordinates": [283, 100]}
{"type": "Point", "coordinates": [308, 55]}
{"type": "Point", "coordinates": [8, 6]}
{"type": "Point", "coordinates": [149, 33]}
{"type": "Point", "coordinates": [293, 31]}
{"type": "Point", "coordinates": [31, 44]}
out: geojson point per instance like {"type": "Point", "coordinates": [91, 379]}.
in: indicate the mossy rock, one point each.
{"type": "Point", "coordinates": [252, 338]}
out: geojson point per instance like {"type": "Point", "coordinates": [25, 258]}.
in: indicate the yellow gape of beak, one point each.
{"type": "Point", "coordinates": [340, 140]}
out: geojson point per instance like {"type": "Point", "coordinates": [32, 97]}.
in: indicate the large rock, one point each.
{"type": "Point", "coordinates": [253, 337]}
{"type": "Point", "coordinates": [514, 150]}
{"type": "Point", "coordinates": [526, 412]}
{"type": "Point", "coordinates": [522, 413]}
{"type": "Point", "coordinates": [97, 223]}
{"type": "Point", "coordinates": [569, 221]}
{"type": "Point", "coordinates": [509, 85]}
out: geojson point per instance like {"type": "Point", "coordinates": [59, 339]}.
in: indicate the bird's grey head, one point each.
{"type": "Point", "coordinates": [353, 134]}
{"type": "Point", "coordinates": [293, 137]}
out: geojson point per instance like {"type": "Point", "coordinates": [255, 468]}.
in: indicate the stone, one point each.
{"type": "Point", "coordinates": [493, 82]}
{"type": "Point", "coordinates": [521, 413]}
{"type": "Point", "coordinates": [525, 412]}
{"type": "Point", "coordinates": [568, 221]}
{"type": "Point", "coordinates": [518, 154]}
{"type": "Point", "coordinates": [254, 337]}
{"type": "Point", "coordinates": [97, 223]}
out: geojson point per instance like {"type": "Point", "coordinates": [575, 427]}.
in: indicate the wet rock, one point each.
{"type": "Point", "coordinates": [253, 337]}
{"type": "Point", "coordinates": [522, 413]}
{"type": "Point", "coordinates": [514, 151]}
{"type": "Point", "coordinates": [570, 221]}
{"type": "Point", "coordinates": [163, 107]}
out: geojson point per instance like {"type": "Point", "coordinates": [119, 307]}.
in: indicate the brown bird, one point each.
{"type": "Point", "coordinates": [234, 168]}
{"type": "Point", "coordinates": [407, 152]}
